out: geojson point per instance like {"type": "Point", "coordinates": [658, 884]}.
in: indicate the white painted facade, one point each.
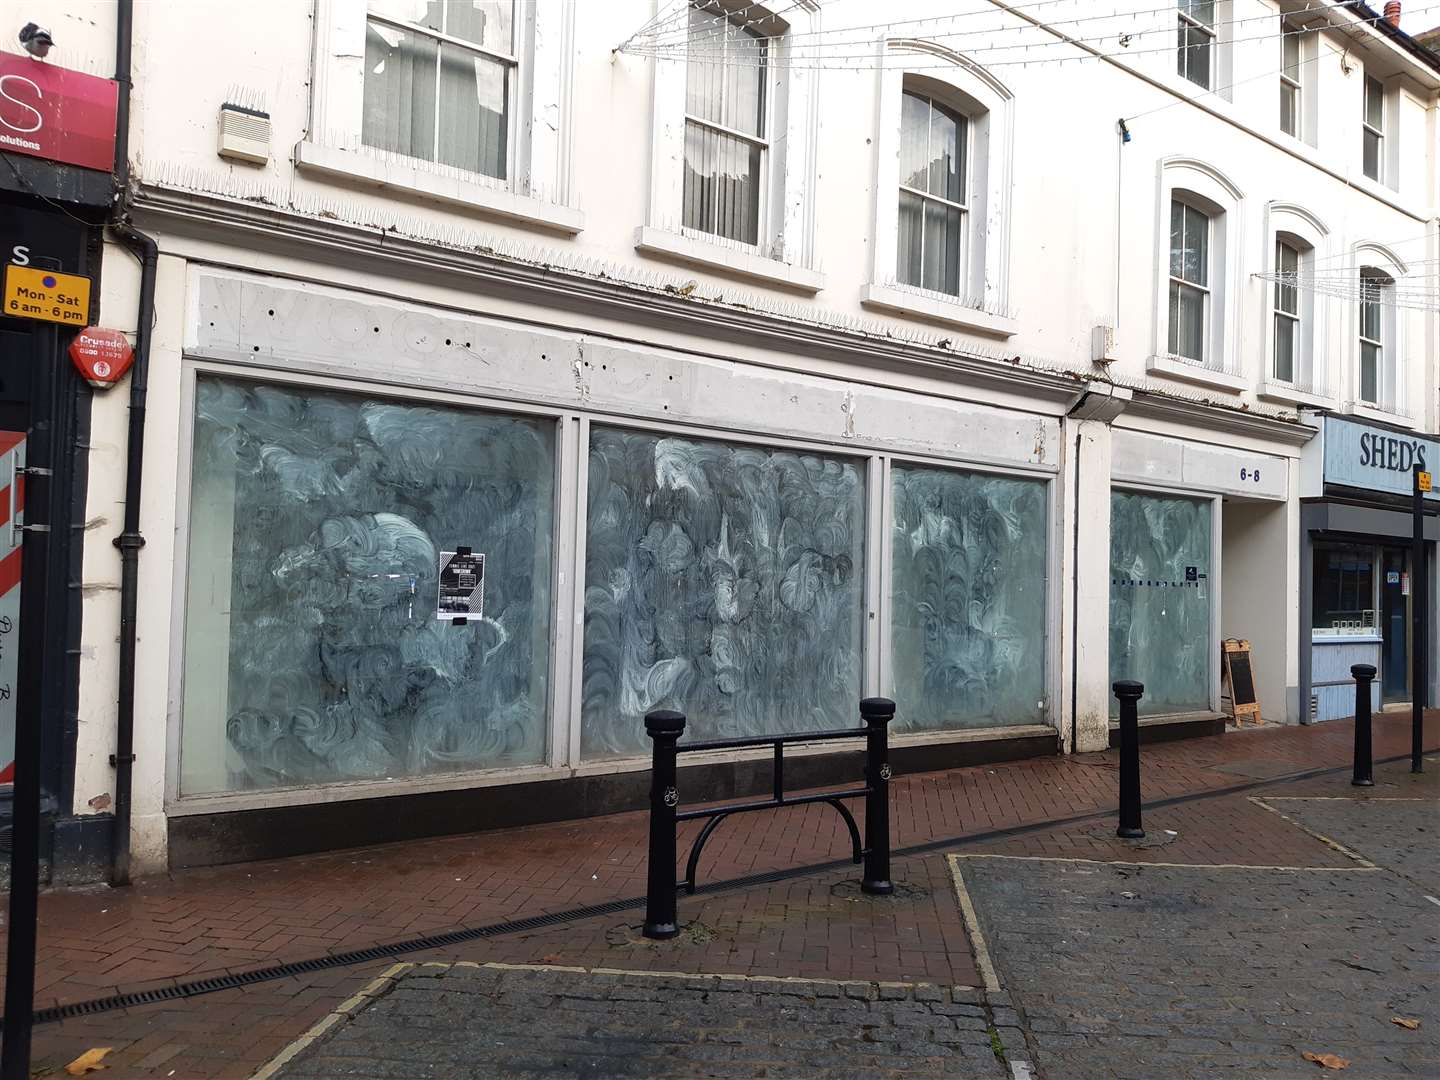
{"type": "Point", "coordinates": [576, 297]}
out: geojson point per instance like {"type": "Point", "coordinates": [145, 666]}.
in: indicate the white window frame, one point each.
{"type": "Point", "coordinates": [1207, 189]}
{"type": "Point", "coordinates": [988, 105]}
{"type": "Point", "coordinates": [537, 189]}
{"type": "Point", "coordinates": [785, 252]}
{"type": "Point", "coordinates": [1312, 385]}
{"type": "Point", "coordinates": [1392, 378]}
{"type": "Point", "coordinates": [1366, 128]}
{"type": "Point", "coordinates": [1294, 83]}
{"type": "Point", "coordinates": [1185, 21]}
{"type": "Point", "coordinates": [1179, 199]}
{"type": "Point", "coordinates": [937, 104]}
{"type": "Point", "coordinates": [1287, 316]}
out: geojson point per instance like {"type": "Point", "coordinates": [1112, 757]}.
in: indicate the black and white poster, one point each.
{"type": "Point", "coordinates": [462, 585]}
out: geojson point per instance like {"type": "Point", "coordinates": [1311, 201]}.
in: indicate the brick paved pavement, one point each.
{"type": "Point", "coordinates": [463, 1021]}
{"type": "Point", "coordinates": [1172, 970]}
{"type": "Point", "coordinates": [234, 918]}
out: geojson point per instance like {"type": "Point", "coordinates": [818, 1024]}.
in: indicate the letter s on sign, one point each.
{"type": "Point", "coordinates": [20, 255]}
{"type": "Point", "coordinates": [5, 93]}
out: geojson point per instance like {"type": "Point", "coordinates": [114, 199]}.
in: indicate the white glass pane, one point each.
{"type": "Point", "coordinates": [942, 248]}
{"type": "Point", "coordinates": [1369, 372]}
{"type": "Point", "coordinates": [1285, 328]}
{"type": "Point", "coordinates": [721, 191]}
{"type": "Point", "coordinates": [1290, 51]}
{"type": "Point", "coordinates": [1177, 238]}
{"type": "Point", "coordinates": [1200, 10]}
{"type": "Point", "coordinates": [1372, 154]}
{"type": "Point", "coordinates": [313, 652]}
{"type": "Point", "coordinates": [1287, 261]}
{"type": "Point", "coordinates": [914, 141]}
{"type": "Point", "coordinates": [1194, 54]}
{"type": "Point", "coordinates": [947, 150]}
{"type": "Point", "coordinates": [967, 600]}
{"type": "Point", "coordinates": [1289, 109]}
{"type": "Point", "coordinates": [722, 580]}
{"type": "Point", "coordinates": [1160, 584]}
{"type": "Point", "coordinates": [725, 74]}
{"type": "Point", "coordinates": [1374, 103]}
{"type": "Point", "coordinates": [909, 241]}
{"type": "Point", "coordinates": [399, 96]}
{"type": "Point", "coordinates": [1187, 322]}
{"type": "Point", "coordinates": [1197, 247]}
{"type": "Point", "coordinates": [474, 116]}
{"type": "Point", "coordinates": [485, 22]}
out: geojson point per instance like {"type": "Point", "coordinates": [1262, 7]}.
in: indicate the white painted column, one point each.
{"type": "Point", "coordinates": [1085, 586]}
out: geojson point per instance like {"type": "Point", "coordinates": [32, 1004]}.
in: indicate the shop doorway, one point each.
{"type": "Point", "coordinates": [1395, 624]}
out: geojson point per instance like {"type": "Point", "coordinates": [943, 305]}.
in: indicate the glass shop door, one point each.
{"type": "Point", "coordinates": [1395, 593]}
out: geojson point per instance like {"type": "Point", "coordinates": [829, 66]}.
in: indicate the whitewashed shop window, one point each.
{"type": "Point", "coordinates": [942, 241]}
{"type": "Point", "coordinates": [967, 599]}
{"type": "Point", "coordinates": [732, 172]}
{"type": "Point", "coordinates": [725, 580]}
{"type": "Point", "coordinates": [462, 102]}
{"type": "Point", "coordinates": [313, 651]}
{"type": "Point", "coordinates": [1197, 234]}
{"type": "Point", "coordinates": [1162, 579]}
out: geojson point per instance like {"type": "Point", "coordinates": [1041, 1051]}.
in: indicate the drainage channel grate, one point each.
{"type": "Point", "coordinates": [197, 987]}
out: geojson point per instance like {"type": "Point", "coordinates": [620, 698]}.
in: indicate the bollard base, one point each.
{"type": "Point", "coordinates": [660, 931]}
{"type": "Point", "coordinates": [877, 888]}
{"type": "Point", "coordinates": [1130, 834]}
{"type": "Point", "coordinates": [1362, 783]}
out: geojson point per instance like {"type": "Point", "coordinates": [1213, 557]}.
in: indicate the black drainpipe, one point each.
{"type": "Point", "coordinates": [129, 541]}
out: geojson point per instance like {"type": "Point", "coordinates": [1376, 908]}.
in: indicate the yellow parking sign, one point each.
{"type": "Point", "coordinates": [1424, 481]}
{"type": "Point", "coordinates": [31, 293]}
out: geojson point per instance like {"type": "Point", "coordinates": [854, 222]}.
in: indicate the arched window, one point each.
{"type": "Point", "coordinates": [943, 154]}
{"type": "Point", "coordinates": [1377, 382]}
{"type": "Point", "coordinates": [933, 203]}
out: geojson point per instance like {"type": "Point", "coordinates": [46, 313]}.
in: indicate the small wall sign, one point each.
{"type": "Point", "coordinates": [103, 356]}
{"type": "Point", "coordinates": [462, 586]}
{"type": "Point", "coordinates": [47, 295]}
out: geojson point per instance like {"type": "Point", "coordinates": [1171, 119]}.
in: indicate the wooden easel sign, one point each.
{"type": "Point", "coordinates": [1240, 679]}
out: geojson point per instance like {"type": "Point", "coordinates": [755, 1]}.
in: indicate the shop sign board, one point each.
{"type": "Point", "coordinates": [32, 293]}
{"type": "Point", "coordinates": [53, 113]}
{"type": "Point", "coordinates": [1376, 459]}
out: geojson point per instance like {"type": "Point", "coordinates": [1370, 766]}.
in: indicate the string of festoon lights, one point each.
{"type": "Point", "coordinates": [1007, 37]}
{"type": "Point", "coordinates": [1020, 35]}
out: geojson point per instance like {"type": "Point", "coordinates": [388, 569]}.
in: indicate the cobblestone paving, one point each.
{"type": "Point", "coordinates": [449, 1021]}
{"type": "Point", "coordinates": [1161, 971]}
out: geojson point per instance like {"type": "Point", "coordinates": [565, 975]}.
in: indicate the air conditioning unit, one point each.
{"type": "Point", "coordinates": [244, 134]}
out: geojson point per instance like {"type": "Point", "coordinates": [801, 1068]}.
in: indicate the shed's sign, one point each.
{"type": "Point", "coordinates": [1361, 456]}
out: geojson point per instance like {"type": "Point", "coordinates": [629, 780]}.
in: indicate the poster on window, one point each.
{"type": "Point", "coordinates": [462, 585]}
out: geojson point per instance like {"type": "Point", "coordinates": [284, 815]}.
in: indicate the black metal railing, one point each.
{"type": "Point", "coordinates": [665, 728]}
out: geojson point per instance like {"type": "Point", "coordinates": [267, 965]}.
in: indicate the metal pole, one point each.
{"type": "Point", "coordinates": [664, 728]}
{"type": "Point", "coordinates": [877, 712]}
{"type": "Point", "coordinates": [1419, 596]}
{"type": "Point", "coordinates": [1129, 692]}
{"type": "Point", "coordinates": [1364, 758]}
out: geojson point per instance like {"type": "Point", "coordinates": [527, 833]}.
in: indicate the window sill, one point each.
{"type": "Point", "coordinates": [952, 313]}
{"type": "Point", "coordinates": [1375, 412]}
{"type": "Point", "coordinates": [1176, 368]}
{"type": "Point", "coordinates": [678, 247]}
{"type": "Point", "coordinates": [356, 166]}
{"type": "Point", "coordinates": [1272, 390]}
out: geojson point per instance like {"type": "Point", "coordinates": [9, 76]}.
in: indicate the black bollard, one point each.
{"type": "Point", "coordinates": [1129, 692]}
{"type": "Point", "coordinates": [664, 728]}
{"type": "Point", "coordinates": [877, 712]}
{"type": "Point", "coordinates": [1364, 675]}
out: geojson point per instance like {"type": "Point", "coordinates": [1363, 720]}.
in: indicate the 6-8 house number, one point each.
{"type": "Point", "coordinates": [1250, 474]}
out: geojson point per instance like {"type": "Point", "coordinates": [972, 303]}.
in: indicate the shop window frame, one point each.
{"type": "Point", "coordinates": [1217, 505]}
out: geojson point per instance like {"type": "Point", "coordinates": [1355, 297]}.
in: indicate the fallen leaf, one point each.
{"type": "Point", "coordinates": [1326, 1061]}
{"type": "Point", "coordinates": [89, 1061]}
{"type": "Point", "coordinates": [552, 958]}
{"type": "Point", "coordinates": [1405, 1022]}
